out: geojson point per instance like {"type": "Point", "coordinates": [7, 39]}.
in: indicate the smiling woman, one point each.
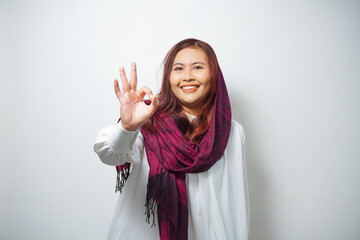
{"type": "Point", "coordinates": [190, 79]}
{"type": "Point", "coordinates": [192, 176]}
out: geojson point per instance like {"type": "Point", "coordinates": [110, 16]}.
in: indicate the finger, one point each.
{"type": "Point", "coordinates": [133, 76]}
{"type": "Point", "coordinates": [154, 103]}
{"type": "Point", "coordinates": [154, 100]}
{"type": "Point", "coordinates": [145, 91]}
{"type": "Point", "coordinates": [117, 89]}
{"type": "Point", "coordinates": [125, 82]}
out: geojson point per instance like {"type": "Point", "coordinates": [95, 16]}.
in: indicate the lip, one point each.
{"type": "Point", "coordinates": [189, 87]}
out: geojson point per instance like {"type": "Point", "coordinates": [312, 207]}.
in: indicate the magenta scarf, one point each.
{"type": "Point", "coordinates": [171, 156]}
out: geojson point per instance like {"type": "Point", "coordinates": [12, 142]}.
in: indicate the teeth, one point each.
{"type": "Point", "coordinates": [189, 87]}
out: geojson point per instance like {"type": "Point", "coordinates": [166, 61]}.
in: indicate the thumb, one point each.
{"type": "Point", "coordinates": [154, 102]}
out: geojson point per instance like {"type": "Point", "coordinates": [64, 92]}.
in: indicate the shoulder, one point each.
{"type": "Point", "coordinates": [237, 130]}
{"type": "Point", "coordinates": [236, 125]}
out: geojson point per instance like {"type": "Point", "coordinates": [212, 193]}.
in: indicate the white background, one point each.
{"type": "Point", "coordinates": [293, 73]}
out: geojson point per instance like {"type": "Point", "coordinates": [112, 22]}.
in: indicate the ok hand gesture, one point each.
{"type": "Point", "coordinates": [133, 111]}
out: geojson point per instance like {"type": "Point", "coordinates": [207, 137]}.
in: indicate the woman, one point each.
{"type": "Point", "coordinates": [180, 154]}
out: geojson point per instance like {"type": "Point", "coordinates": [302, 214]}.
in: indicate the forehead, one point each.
{"type": "Point", "coordinates": [190, 55]}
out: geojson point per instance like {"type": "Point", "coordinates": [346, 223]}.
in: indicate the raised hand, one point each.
{"type": "Point", "coordinates": [133, 111]}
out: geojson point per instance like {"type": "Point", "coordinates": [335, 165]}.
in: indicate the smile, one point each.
{"type": "Point", "coordinates": [189, 87]}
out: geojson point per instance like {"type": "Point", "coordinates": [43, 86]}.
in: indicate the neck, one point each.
{"type": "Point", "coordinates": [190, 116]}
{"type": "Point", "coordinates": [192, 111]}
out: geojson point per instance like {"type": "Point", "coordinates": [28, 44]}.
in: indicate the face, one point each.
{"type": "Point", "coordinates": [190, 79]}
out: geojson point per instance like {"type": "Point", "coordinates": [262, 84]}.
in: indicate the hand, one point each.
{"type": "Point", "coordinates": [133, 111]}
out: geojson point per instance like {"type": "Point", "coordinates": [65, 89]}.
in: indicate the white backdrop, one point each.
{"type": "Point", "coordinates": [292, 71]}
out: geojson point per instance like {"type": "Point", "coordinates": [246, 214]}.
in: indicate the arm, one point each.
{"type": "Point", "coordinates": [116, 146]}
{"type": "Point", "coordinates": [243, 151]}
{"type": "Point", "coordinates": [238, 171]}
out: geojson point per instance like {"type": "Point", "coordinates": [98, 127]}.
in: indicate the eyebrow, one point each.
{"type": "Point", "coordinates": [191, 64]}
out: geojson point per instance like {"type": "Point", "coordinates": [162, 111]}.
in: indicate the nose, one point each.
{"type": "Point", "coordinates": [188, 75]}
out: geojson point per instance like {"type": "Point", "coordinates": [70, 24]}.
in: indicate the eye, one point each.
{"type": "Point", "coordinates": [198, 67]}
{"type": "Point", "coordinates": [177, 68]}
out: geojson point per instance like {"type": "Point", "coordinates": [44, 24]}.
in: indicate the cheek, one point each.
{"type": "Point", "coordinates": [173, 86]}
{"type": "Point", "coordinates": [208, 89]}
{"type": "Point", "coordinates": [172, 81]}
{"type": "Point", "coordinates": [173, 89]}
{"type": "Point", "coordinates": [207, 84]}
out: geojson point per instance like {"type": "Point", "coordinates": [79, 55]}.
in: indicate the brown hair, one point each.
{"type": "Point", "coordinates": [192, 131]}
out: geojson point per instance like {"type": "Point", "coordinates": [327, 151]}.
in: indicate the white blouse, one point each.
{"type": "Point", "coordinates": [218, 199]}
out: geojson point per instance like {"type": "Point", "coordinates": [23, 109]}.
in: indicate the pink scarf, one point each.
{"type": "Point", "coordinates": [171, 156]}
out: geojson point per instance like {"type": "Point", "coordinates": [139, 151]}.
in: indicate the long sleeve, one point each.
{"type": "Point", "coordinates": [247, 198]}
{"type": "Point", "coordinates": [116, 146]}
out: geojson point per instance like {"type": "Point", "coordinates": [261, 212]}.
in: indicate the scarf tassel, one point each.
{"type": "Point", "coordinates": [150, 208]}
{"type": "Point", "coordinates": [122, 176]}
{"type": "Point", "coordinates": [162, 183]}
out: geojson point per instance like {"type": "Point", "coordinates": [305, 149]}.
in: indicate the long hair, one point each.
{"type": "Point", "coordinates": [195, 130]}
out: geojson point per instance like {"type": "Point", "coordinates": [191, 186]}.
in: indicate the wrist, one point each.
{"type": "Point", "coordinates": [128, 128]}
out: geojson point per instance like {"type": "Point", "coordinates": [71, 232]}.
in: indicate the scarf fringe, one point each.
{"type": "Point", "coordinates": [162, 183]}
{"type": "Point", "coordinates": [150, 208]}
{"type": "Point", "coordinates": [122, 177]}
